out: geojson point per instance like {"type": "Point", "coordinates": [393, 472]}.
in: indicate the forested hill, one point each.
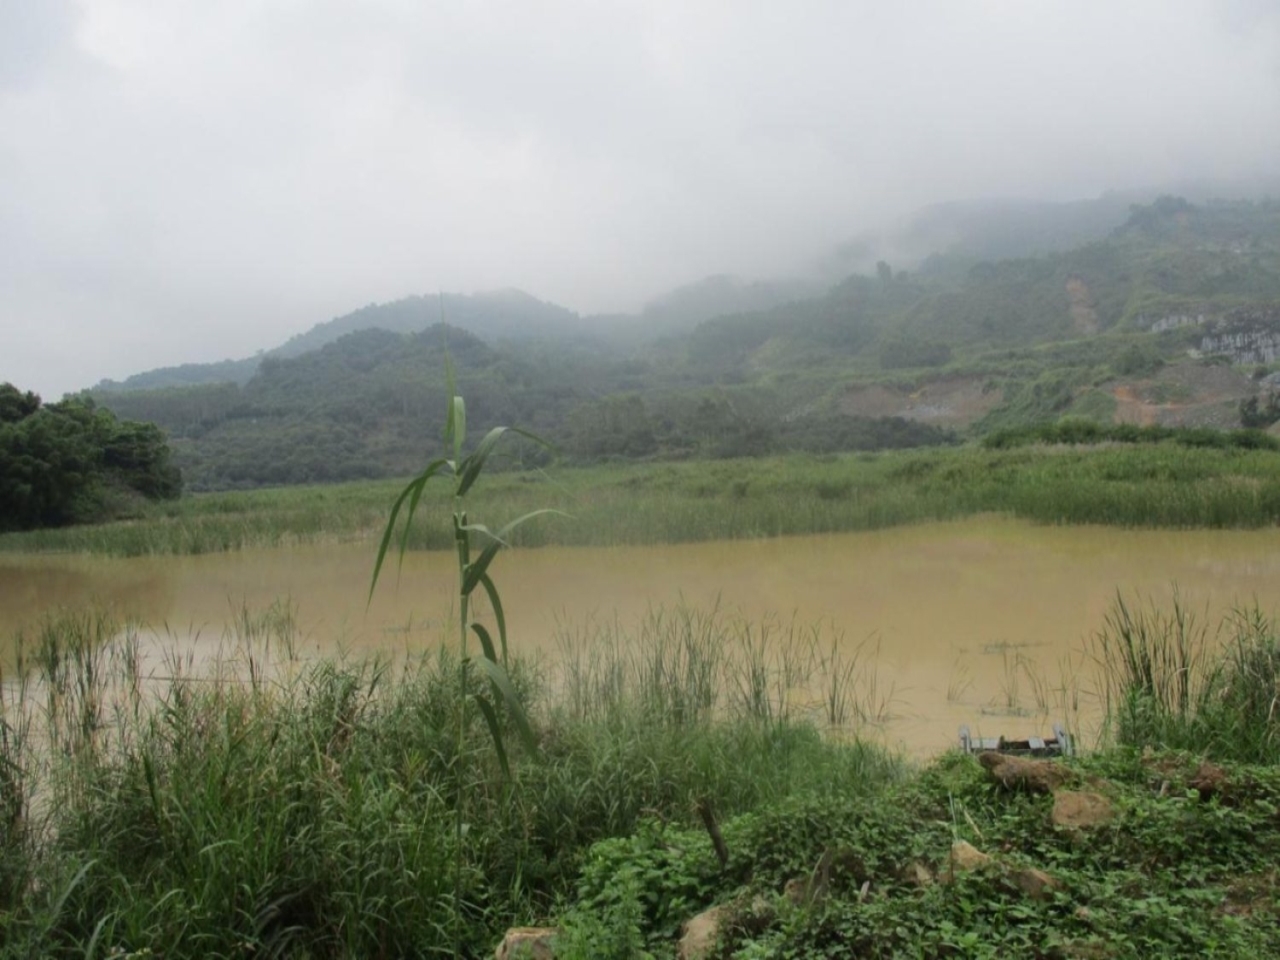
{"type": "Point", "coordinates": [1173, 318]}
{"type": "Point", "coordinates": [500, 315]}
{"type": "Point", "coordinates": [1169, 258]}
{"type": "Point", "coordinates": [370, 405]}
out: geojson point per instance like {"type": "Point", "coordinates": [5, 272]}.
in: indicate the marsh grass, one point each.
{"type": "Point", "coordinates": [1158, 485]}
{"type": "Point", "coordinates": [1169, 681]}
{"type": "Point", "coordinates": [687, 665]}
{"type": "Point", "coordinates": [960, 680]}
{"type": "Point", "coordinates": [1024, 689]}
{"type": "Point", "coordinates": [262, 805]}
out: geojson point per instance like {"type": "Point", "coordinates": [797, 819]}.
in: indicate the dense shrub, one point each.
{"type": "Point", "coordinates": [72, 462]}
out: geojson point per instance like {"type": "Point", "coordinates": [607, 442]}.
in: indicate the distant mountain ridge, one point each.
{"type": "Point", "coordinates": [959, 233]}
{"type": "Point", "coordinates": [500, 315]}
{"type": "Point", "coordinates": [185, 375]}
{"type": "Point", "coordinates": [682, 309]}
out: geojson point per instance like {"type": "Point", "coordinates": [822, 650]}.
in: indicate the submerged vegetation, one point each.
{"type": "Point", "coordinates": [1161, 484]}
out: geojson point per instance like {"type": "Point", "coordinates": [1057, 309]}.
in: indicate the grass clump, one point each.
{"type": "Point", "coordinates": [1181, 865]}
{"type": "Point", "coordinates": [1171, 683]}
{"type": "Point", "coordinates": [307, 809]}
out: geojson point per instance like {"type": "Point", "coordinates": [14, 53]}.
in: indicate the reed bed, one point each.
{"type": "Point", "coordinates": [1169, 681]}
{"type": "Point", "coordinates": [261, 805]}
{"type": "Point", "coordinates": [1151, 485]}
{"type": "Point", "coordinates": [693, 666]}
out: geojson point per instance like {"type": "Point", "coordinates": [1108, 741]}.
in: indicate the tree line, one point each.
{"type": "Point", "coordinates": [75, 462]}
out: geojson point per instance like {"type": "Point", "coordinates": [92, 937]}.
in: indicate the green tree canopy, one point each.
{"type": "Point", "coordinates": [73, 462]}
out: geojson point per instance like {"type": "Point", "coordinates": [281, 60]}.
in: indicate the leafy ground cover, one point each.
{"type": "Point", "coordinates": [1173, 873]}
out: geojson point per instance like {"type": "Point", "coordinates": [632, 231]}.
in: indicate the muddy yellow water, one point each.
{"type": "Point", "coordinates": [984, 622]}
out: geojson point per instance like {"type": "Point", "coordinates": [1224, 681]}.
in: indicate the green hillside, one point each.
{"type": "Point", "coordinates": [1174, 318]}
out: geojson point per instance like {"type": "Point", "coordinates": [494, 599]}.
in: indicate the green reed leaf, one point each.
{"type": "Point", "coordinates": [495, 731]}
{"type": "Point", "coordinates": [500, 679]}
{"type": "Point", "coordinates": [410, 494]}
{"type": "Point", "coordinates": [495, 603]}
{"type": "Point", "coordinates": [486, 641]}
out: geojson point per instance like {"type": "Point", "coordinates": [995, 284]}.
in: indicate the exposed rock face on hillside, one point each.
{"type": "Point", "coordinates": [1172, 321]}
{"type": "Point", "coordinates": [1250, 347]}
{"type": "Point", "coordinates": [1246, 335]}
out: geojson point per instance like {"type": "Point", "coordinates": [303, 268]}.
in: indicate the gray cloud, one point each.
{"type": "Point", "coordinates": [188, 181]}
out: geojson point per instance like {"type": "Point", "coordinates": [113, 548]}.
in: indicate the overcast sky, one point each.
{"type": "Point", "coordinates": [188, 180]}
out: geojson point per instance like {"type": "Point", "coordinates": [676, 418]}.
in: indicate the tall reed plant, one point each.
{"type": "Point", "coordinates": [1168, 681]}
{"type": "Point", "coordinates": [475, 547]}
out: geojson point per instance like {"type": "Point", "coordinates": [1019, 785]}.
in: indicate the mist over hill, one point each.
{"type": "Point", "coordinates": [997, 228]}
{"type": "Point", "coordinates": [1172, 316]}
{"type": "Point", "coordinates": [498, 315]}
{"type": "Point", "coordinates": [943, 237]}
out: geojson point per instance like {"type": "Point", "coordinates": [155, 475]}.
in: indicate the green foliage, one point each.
{"type": "Point", "coordinates": [835, 433]}
{"type": "Point", "coordinates": [473, 572]}
{"type": "Point", "coordinates": [657, 878]}
{"type": "Point", "coordinates": [1170, 683]}
{"type": "Point", "coordinates": [615, 426]}
{"type": "Point", "coordinates": [350, 399]}
{"type": "Point", "coordinates": [1164, 214]}
{"type": "Point", "coordinates": [71, 462]}
{"type": "Point", "coordinates": [1099, 405]}
{"type": "Point", "coordinates": [15, 405]}
{"type": "Point", "coordinates": [1137, 361]}
{"type": "Point", "coordinates": [1200, 479]}
{"type": "Point", "coordinates": [1260, 416]}
{"type": "Point", "coordinates": [901, 352]}
{"type": "Point", "coordinates": [1172, 875]}
{"type": "Point", "coordinates": [311, 815]}
{"type": "Point", "coordinates": [1041, 398]}
{"type": "Point", "coordinates": [1078, 430]}
{"type": "Point", "coordinates": [609, 928]}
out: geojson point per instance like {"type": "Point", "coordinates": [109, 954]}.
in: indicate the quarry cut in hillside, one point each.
{"type": "Point", "coordinates": [1184, 394]}
{"type": "Point", "coordinates": [951, 402]}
